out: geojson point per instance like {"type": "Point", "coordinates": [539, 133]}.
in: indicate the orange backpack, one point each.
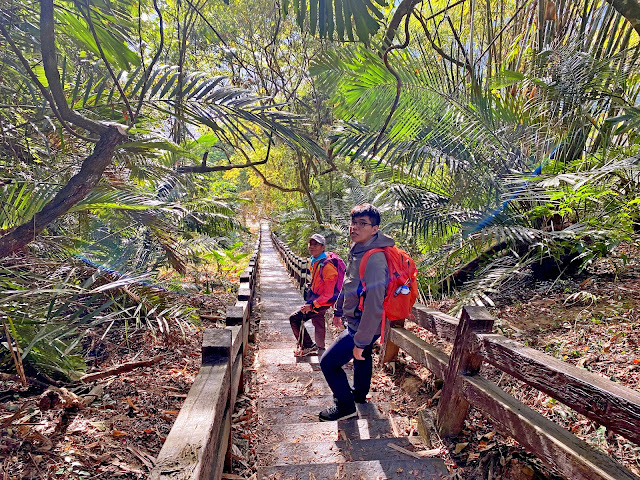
{"type": "Point", "coordinates": [402, 289]}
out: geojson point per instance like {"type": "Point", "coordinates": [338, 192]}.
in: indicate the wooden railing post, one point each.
{"type": "Point", "coordinates": [306, 273]}
{"type": "Point", "coordinates": [389, 350]}
{"type": "Point", "coordinates": [452, 407]}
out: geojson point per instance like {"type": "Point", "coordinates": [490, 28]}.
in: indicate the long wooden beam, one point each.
{"type": "Point", "coordinates": [555, 446]}
{"type": "Point", "coordinates": [435, 321]}
{"type": "Point", "coordinates": [608, 403]}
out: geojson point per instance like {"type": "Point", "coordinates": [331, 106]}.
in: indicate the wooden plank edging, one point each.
{"type": "Point", "coordinates": [188, 452]}
{"type": "Point", "coordinates": [197, 445]}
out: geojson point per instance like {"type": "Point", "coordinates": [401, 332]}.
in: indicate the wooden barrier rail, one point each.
{"type": "Point", "coordinates": [199, 443]}
{"type": "Point", "coordinates": [601, 400]}
{"type": "Point", "coordinates": [298, 267]}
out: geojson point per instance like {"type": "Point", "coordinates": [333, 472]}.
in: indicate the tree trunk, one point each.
{"type": "Point", "coordinates": [629, 9]}
{"type": "Point", "coordinates": [74, 191]}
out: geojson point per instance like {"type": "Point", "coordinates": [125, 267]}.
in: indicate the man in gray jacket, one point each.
{"type": "Point", "coordinates": [362, 314]}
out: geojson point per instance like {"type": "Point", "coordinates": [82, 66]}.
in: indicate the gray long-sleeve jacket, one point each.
{"type": "Point", "coordinates": [366, 323]}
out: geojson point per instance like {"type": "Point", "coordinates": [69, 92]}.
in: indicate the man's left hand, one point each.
{"type": "Point", "coordinates": [306, 308]}
{"type": "Point", "coordinates": [357, 353]}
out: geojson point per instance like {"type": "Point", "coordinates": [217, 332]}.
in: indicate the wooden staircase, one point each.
{"type": "Point", "coordinates": [292, 391]}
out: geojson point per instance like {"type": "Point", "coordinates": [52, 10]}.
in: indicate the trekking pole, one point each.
{"type": "Point", "coordinates": [299, 347]}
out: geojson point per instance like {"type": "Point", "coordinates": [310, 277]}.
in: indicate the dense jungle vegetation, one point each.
{"type": "Point", "coordinates": [142, 140]}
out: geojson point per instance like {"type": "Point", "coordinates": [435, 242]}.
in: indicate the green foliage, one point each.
{"type": "Point", "coordinates": [49, 308]}
{"type": "Point", "coordinates": [228, 259]}
{"type": "Point", "coordinates": [465, 146]}
{"type": "Point", "coordinates": [339, 17]}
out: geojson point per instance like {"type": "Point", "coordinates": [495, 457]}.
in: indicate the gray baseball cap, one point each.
{"type": "Point", "coordinates": [318, 238]}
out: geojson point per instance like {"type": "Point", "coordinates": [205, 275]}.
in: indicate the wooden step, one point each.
{"type": "Point", "coordinates": [294, 375]}
{"type": "Point", "coordinates": [311, 400]}
{"type": "Point", "coordinates": [283, 337]}
{"type": "Point", "coordinates": [320, 401]}
{"type": "Point", "coordinates": [282, 356]}
{"type": "Point", "coordinates": [411, 469]}
{"type": "Point", "coordinates": [355, 450]}
{"type": "Point", "coordinates": [279, 390]}
{"type": "Point", "coordinates": [309, 414]}
{"type": "Point", "coordinates": [357, 429]}
{"type": "Point", "coordinates": [276, 338]}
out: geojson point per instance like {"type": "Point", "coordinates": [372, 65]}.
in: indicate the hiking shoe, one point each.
{"type": "Point", "coordinates": [334, 413]}
{"type": "Point", "coordinates": [304, 352]}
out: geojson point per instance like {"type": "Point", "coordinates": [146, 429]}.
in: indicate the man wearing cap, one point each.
{"type": "Point", "coordinates": [324, 276]}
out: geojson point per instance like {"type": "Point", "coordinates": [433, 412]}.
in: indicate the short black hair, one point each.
{"type": "Point", "coordinates": [366, 209]}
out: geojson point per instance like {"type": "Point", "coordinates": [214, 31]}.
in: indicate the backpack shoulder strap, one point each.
{"type": "Point", "coordinates": [363, 263]}
{"type": "Point", "coordinates": [323, 263]}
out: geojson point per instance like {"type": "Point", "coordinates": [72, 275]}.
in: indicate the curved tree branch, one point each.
{"type": "Point", "coordinates": [441, 52]}
{"type": "Point", "coordinates": [404, 9]}
{"type": "Point", "coordinates": [273, 185]}
{"type": "Point", "coordinates": [154, 60]}
{"type": "Point", "coordinates": [629, 9]}
{"type": "Point", "coordinates": [396, 100]}
{"type": "Point", "coordinates": [220, 168]}
{"type": "Point", "coordinates": [304, 181]}
{"type": "Point", "coordinates": [74, 191]}
{"type": "Point", "coordinates": [92, 167]}
{"type": "Point", "coordinates": [45, 93]}
{"type": "Point", "coordinates": [50, 64]}
{"type": "Point", "coordinates": [261, 175]}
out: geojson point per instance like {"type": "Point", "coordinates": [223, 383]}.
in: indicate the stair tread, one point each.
{"type": "Point", "coordinates": [327, 452]}
{"type": "Point", "coordinates": [357, 429]}
{"type": "Point", "coordinates": [282, 356]}
{"type": "Point", "coordinates": [309, 413]}
{"type": "Point", "coordinates": [294, 376]}
{"type": "Point", "coordinates": [414, 469]}
{"type": "Point", "coordinates": [311, 400]}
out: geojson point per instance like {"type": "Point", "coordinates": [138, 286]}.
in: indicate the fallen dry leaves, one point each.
{"type": "Point", "coordinates": [112, 427]}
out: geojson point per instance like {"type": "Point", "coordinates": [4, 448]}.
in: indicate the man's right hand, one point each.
{"type": "Point", "coordinates": [337, 322]}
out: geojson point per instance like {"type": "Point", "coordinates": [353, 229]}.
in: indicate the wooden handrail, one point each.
{"type": "Point", "coordinates": [608, 403]}
{"type": "Point", "coordinates": [199, 443]}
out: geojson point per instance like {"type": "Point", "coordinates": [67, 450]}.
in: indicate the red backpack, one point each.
{"type": "Point", "coordinates": [402, 289]}
{"type": "Point", "coordinates": [340, 267]}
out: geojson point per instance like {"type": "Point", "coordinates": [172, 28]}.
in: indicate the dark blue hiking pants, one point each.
{"type": "Point", "coordinates": [337, 355]}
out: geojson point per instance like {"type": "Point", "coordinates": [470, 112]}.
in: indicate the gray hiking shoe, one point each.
{"type": "Point", "coordinates": [305, 352]}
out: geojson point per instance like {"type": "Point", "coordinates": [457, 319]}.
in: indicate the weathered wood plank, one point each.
{"type": "Point", "coordinates": [360, 428]}
{"type": "Point", "coordinates": [216, 345]}
{"type": "Point", "coordinates": [191, 446]}
{"type": "Point", "coordinates": [237, 337]}
{"type": "Point", "coordinates": [558, 448]}
{"type": "Point", "coordinates": [340, 451]}
{"type": "Point", "coordinates": [606, 402]}
{"type": "Point", "coordinates": [389, 349]}
{"type": "Point", "coordinates": [244, 292]}
{"type": "Point", "coordinates": [236, 379]}
{"type": "Point", "coordinates": [235, 315]}
{"type": "Point", "coordinates": [435, 321]}
{"type": "Point", "coordinates": [220, 450]}
{"type": "Point", "coordinates": [421, 351]}
{"type": "Point", "coordinates": [405, 469]}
